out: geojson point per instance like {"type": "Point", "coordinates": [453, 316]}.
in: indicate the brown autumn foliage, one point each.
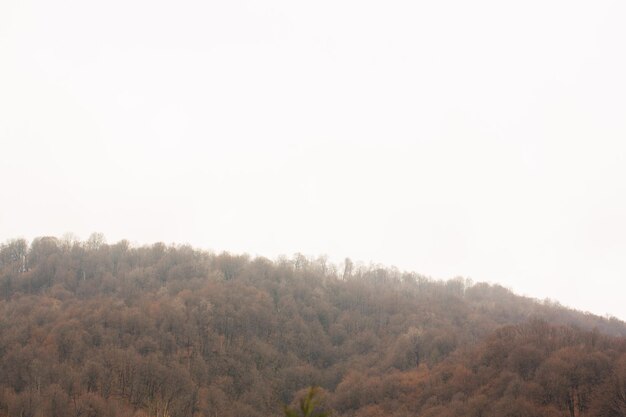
{"type": "Point", "coordinates": [91, 329]}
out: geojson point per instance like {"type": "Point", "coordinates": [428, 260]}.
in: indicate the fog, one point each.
{"type": "Point", "coordinates": [483, 139]}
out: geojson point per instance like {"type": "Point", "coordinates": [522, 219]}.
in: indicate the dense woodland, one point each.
{"type": "Point", "coordinates": [90, 329]}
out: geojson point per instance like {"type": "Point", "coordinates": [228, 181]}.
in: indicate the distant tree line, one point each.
{"type": "Point", "coordinates": [95, 329]}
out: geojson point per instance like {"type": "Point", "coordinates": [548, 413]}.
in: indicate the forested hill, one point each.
{"type": "Point", "coordinates": [91, 329]}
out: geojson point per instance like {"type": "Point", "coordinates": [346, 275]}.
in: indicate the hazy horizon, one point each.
{"type": "Point", "coordinates": [338, 262]}
{"type": "Point", "coordinates": [484, 140]}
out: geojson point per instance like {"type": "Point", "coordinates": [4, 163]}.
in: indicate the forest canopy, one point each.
{"type": "Point", "coordinates": [96, 329]}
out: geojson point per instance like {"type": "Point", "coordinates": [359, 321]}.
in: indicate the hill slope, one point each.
{"type": "Point", "coordinates": [91, 329]}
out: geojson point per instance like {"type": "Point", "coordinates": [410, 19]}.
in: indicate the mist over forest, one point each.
{"type": "Point", "coordinates": [94, 329]}
{"type": "Point", "coordinates": [479, 141]}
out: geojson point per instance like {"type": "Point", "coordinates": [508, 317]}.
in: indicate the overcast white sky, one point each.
{"type": "Point", "coordinates": [485, 139]}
